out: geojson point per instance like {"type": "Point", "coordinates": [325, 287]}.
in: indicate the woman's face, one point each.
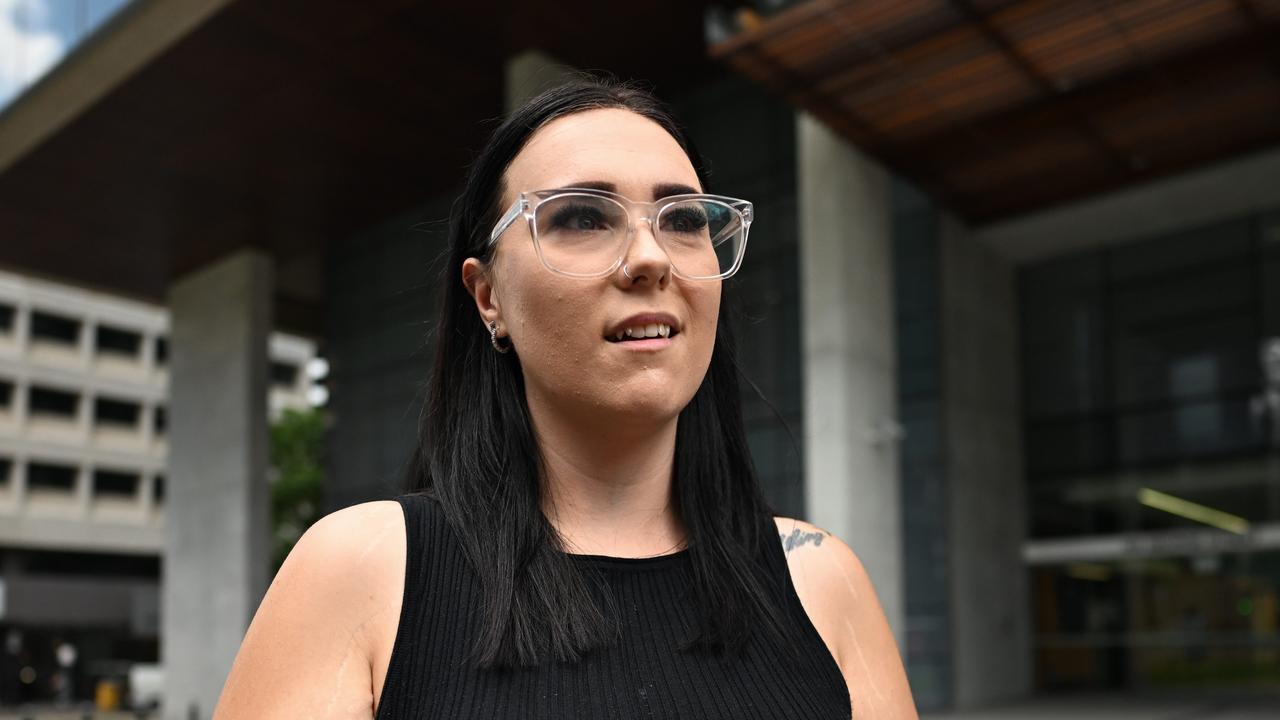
{"type": "Point", "coordinates": [564, 329]}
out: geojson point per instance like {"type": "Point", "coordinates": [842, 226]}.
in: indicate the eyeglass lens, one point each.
{"type": "Point", "coordinates": [586, 234]}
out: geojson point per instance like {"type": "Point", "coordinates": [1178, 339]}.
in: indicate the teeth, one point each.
{"type": "Point", "coordinates": [651, 330]}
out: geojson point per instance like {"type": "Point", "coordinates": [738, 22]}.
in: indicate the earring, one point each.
{"type": "Point", "coordinates": [493, 338]}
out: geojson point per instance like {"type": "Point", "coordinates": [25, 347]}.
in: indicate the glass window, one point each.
{"type": "Point", "coordinates": [118, 341]}
{"type": "Point", "coordinates": [1150, 361]}
{"type": "Point", "coordinates": [116, 412]}
{"type": "Point", "coordinates": [1159, 622]}
{"type": "Point", "coordinates": [112, 483]}
{"type": "Point", "coordinates": [49, 401]}
{"type": "Point", "coordinates": [284, 374]}
{"type": "Point", "coordinates": [54, 328]}
{"type": "Point", "coordinates": [50, 476]}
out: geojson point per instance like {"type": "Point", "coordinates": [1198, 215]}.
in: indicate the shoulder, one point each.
{"type": "Point", "coordinates": [838, 596]}
{"type": "Point", "coordinates": [323, 620]}
{"type": "Point", "coordinates": [357, 555]}
{"type": "Point", "coordinates": [347, 555]}
{"type": "Point", "coordinates": [828, 577]}
{"type": "Point", "coordinates": [353, 532]}
{"type": "Point", "coordinates": [819, 556]}
{"type": "Point", "coordinates": [351, 552]}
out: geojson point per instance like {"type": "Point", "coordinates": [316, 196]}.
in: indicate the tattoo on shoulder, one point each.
{"type": "Point", "coordinates": [799, 537]}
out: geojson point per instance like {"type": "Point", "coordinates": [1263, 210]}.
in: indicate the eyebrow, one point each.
{"type": "Point", "coordinates": [660, 190]}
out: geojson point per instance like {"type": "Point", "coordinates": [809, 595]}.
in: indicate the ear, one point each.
{"type": "Point", "coordinates": [479, 282]}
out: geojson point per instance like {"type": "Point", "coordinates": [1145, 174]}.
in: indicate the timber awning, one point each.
{"type": "Point", "coordinates": [1000, 107]}
{"type": "Point", "coordinates": [182, 131]}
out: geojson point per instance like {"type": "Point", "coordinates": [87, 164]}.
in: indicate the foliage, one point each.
{"type": "Point", "coordinates": [297, 477]}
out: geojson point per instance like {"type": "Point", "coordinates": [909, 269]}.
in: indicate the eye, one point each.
{"type": "Point", "coordinates": [684, 220]}
{"type": "Point", "coordinates": [579, 218]}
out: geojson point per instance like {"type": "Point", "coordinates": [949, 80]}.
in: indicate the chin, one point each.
{"type": "Point", "coordinates": [649, 409]}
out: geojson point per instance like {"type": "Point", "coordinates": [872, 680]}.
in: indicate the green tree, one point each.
{"type": "Point", "coordinates": [297, 477]}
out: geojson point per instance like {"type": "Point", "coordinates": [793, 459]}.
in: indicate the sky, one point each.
{"type": "Point", "coordinates": [36, 34]}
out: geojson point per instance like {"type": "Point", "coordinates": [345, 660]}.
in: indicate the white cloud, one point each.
{"type": "Point", "coordinates": [27, 48]}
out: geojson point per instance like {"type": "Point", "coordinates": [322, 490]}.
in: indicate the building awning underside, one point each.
{"type": "Point", "coordinates": [1001, 107]}
{"type": "Point", "coordinates": [284, 125]}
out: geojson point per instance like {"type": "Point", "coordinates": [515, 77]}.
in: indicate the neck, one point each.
{"type": "Point", "coordinates": [608, 489]}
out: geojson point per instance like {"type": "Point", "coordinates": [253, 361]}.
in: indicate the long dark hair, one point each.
{"type": "Point", "coordinates": [478, 457]}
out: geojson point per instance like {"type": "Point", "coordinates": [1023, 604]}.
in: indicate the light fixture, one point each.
{"type": "Point", "coordinates": [1193, 511]}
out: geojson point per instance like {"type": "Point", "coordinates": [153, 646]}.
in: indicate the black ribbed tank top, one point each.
{"type": "Point", "coordinates": [643, 675]}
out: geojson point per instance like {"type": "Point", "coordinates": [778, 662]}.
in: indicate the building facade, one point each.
{"type": "Point", "coordinates": [1007, 308]}
{"type": "Point", "coordinates": [83, 466]}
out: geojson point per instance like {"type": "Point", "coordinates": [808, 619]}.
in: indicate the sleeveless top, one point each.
{"type": "Point", "coordinates": [642, 675]}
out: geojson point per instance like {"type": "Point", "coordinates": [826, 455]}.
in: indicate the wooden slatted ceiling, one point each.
{"type": "Point", "coordinates": [289, 123]}
{"type": "Point", "coordinates": [1000, 107]}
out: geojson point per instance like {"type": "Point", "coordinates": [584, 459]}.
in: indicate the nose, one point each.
{"type": "Point", "coordinates": [645, 261]}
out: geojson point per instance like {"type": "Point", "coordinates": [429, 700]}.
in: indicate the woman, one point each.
{"type": "Point", "coordinates": [589, 539]}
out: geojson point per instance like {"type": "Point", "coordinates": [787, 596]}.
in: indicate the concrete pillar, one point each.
{"type": "Point", "coordinates": [529, 73]}
{"type": "Point", "coordinates": [217, 535]}
{"type": "Point", "coordinates": [148, 353]}
{"type": "Point", "coordinates": [852, 485]}
{"type": "Point", "coordinates": [83, 489]}
{"type": "Point", "coordinates": [86, 403]}
{"type": "Point", "coordinates": [991, 635]}
{"type": "Point", "coordinates": [19, 480]}
{"type": "Point", "coordinates": [147, 418]}
{"type": "Point", "coordinates": [88, 341]}
{"type": "Point", "coordinates": [147, 489]}
{"type": "Point", "coordinates": [21, 400]}
{"type": "Point", "coordinates": [22, 328]}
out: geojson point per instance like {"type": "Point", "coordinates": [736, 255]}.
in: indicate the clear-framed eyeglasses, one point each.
{"type": "Point", "coordinates": [585, 233]}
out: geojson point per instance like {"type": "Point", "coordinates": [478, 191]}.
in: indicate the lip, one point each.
{"type": "Point", "coordinates": [646, 345]}
{"type": "Point", "coordinates": [649, 318]}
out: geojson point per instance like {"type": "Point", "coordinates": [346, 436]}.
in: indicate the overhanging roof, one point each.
{"type": "Point", "coordinates": [1000, 107]}
{"type": "Point", "coordinates": [280, 124]}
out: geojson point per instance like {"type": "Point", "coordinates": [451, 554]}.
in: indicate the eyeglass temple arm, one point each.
{"type": "Point", "coordinates": [505, 221]}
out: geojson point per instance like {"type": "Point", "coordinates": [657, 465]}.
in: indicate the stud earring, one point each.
{"type": "Point", "coordinates": [493, 338]}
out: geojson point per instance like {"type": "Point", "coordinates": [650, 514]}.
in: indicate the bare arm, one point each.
{"type": "Point", "coordinates": [838, 597]}
{"type": "Point", "coordinates": [307, 652]}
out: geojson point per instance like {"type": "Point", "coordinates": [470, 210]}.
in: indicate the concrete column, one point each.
{"type": "Point", "coordinates": [88, 344]}
{"type": "Point", "coordinates": [147, 488]}
{"type": "Point", "coordinates": [86, 404]}
{"type": "Point", "coordinates": [147, 418]}
{"type": "Point", "coordinates": [991, 635]}
{"type": "Point", "coordinates": [531, 72]}
{"type": "Point", "coordinates": [148, 353]}
{"type": "Point", "coordinates": [22, 328]}
{"type": "Point", "coordinates": [21, 403]}
{"type": "Point", "coordinates": [19, 480]}
{"type": "Point", "coordinates": [83, 489]}
{"type": "Point", "coordinates": [217, 533]}
{"type": "Point", "coordinates": [852, 485]}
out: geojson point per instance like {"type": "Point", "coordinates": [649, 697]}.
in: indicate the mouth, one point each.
{"type": "Point", "coordinates": [643, 333]}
